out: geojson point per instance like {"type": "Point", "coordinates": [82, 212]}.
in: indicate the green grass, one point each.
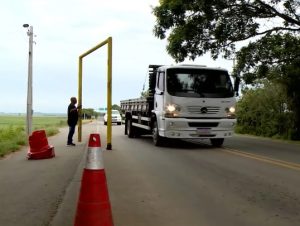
{"type": "Point", "coordinates": [13, 135]}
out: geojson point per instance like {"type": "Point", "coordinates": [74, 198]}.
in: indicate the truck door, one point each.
{"type": "Point", "coordinates": [159, 95]}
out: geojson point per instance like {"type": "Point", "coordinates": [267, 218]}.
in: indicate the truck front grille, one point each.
{"type": "Point", "coordinates": [208, 110]}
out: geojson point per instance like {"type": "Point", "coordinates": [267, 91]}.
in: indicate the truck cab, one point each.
{"type": "Point", "coordinates": [194, 102]}
{"type": "Point", "coordinates": [187, 102]}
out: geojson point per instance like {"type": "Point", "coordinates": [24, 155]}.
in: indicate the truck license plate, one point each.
{"type": "Point", "coordinates": [203, 131]}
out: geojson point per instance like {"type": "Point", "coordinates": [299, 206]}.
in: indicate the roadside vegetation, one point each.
{"type": "Point", "coordinates": [264, 111]}
{"type": "Point", "coordinates": [13, 135]}
{"type": "Point", "coordinates": [12, 128]}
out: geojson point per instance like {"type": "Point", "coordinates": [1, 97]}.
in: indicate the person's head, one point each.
{"type": "Point", "coordinates": [73, 100]}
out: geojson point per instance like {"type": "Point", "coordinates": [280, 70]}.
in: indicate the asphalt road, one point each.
{"type": "Point", "coordinates": [195, 184]}
{"type": "Point", "coordinates": [31, 191]}
{"type": "Point", "coordinates": [248, 182]}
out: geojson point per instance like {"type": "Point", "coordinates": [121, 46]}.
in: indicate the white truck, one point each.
{"type": "Point", "coordinates": [184, 102]}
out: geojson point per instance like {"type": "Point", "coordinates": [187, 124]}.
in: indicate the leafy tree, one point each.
{"type": "Point", "coordinates": [200, 26]}
{"type": "Point", "coordinates": [272, 52]}
{"type": "Point", "coordinates": [116, 107]}
{"type": "Point", "coordinates": [216, 26]}
{"type": "Point", "coordinates": [276, 58]}
{"type": "Point", "coordinates": [89, 112]}
{"type": "Point", "coordinates": [145, 93]}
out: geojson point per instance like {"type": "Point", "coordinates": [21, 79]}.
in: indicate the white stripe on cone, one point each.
{"type": "Point", "coordinates": [94, 159]}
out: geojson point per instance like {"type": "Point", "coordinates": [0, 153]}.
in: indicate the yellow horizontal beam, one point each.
{"type": "Point", "coordinates": [94, 48]}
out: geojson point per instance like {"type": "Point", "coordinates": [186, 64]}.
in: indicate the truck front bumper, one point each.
{"type": "Point", "coordinates": [197, 128]}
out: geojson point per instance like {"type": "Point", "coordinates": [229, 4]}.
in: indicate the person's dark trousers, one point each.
{"type": "Point", "coordinates": [71, 133]}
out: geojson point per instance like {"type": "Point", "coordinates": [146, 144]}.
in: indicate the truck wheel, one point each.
{"type": "Point", "coordinates": [157, 140]}
{"type": "Point", "coordinates": [105, 123]}
{"type": "Point", "coordinates": [217, 142]}
{"type": "Point", "coordinates": [130, 129]}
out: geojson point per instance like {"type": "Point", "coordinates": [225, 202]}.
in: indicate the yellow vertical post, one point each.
{"type": "Point", "coordinates": [109, 93]}
{"type": "Point", "coordinates": [80, 99]}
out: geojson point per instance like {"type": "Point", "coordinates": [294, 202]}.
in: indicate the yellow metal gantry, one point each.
{"type": "Point", "coordinates": [109, 89]}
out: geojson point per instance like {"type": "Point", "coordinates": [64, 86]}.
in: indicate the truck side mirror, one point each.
{"type": "Point", "coordinates": [237, 85]}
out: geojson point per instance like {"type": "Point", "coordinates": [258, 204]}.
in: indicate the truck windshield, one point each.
{"type": "Point", "coordinates": [184, 82]}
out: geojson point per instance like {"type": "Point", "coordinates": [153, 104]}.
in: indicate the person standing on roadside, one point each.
{"type": "Point", "coordinates": [72, 119]}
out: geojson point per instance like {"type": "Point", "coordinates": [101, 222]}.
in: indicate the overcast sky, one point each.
{"type": "Point", "coordinates": [66, 29]}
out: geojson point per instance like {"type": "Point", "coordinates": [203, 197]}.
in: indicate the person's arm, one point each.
{"type": "Point", "coordinates": [75, 108]}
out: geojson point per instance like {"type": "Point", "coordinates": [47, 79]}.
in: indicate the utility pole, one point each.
{"type": "Point", "coordinates": [29, 111]}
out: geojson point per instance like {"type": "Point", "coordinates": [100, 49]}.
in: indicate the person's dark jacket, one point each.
{"type": "Point", "coordinates": [72, 115]}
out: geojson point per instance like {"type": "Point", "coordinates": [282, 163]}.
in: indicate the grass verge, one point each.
{"type": "Point", "coordinates": [13, 135]}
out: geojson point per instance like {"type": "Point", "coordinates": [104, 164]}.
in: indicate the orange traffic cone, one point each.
{"type": "Point", "coordinates": [93, 207]}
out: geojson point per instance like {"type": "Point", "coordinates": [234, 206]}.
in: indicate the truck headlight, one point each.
{"type": "Point", "coordinates": [172, 110]}
{"type": "Point", "coordinates": [230, 112]}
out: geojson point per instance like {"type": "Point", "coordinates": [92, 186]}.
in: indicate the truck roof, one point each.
{"type": "Point", "coordinates": [192, 66]}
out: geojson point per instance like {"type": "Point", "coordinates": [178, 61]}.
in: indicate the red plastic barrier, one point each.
{"type": "Point", "coordinates": [39, 147]}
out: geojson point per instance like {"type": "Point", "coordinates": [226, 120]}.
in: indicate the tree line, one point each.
{"type": "Point", "coordinates": [89, 113]}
